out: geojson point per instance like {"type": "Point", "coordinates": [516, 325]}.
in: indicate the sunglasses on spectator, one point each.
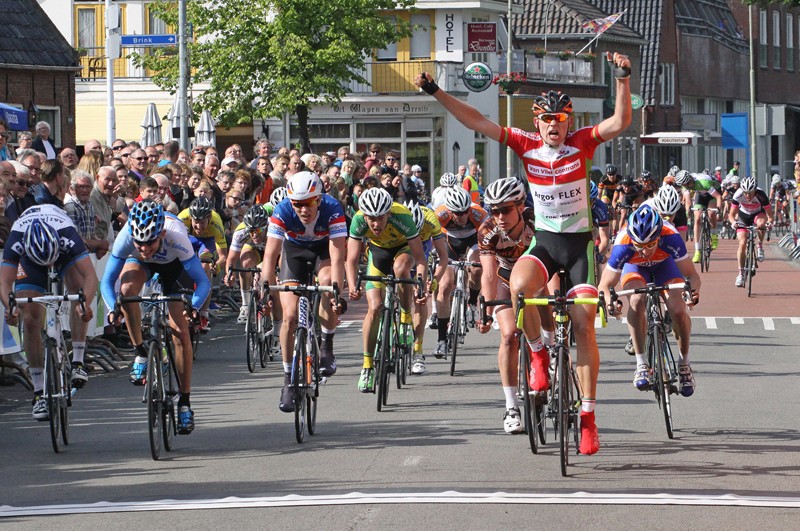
{"type": "Point", "coordinates": [554, 117]}
{"type": "Point", "coordinates": [140, 158]}
{"type": "Point", "coordinates": [23, 183]}
{"type": "Point", "coordinates": [125, 155]}
{"type": "Point", "coordinates": [390, 158]}
{"type": "Point", "coordinates": [117, 148]}
{"type": "Point", "coordinates": [641, 247]}
{"type": "Point", "coordinates": [501, 210]}
{"type": "Point", "coordinates": [32, 169]}
{"type": "Point", "coordinates": [306, 203]}
{"type": "Point", "coordinates": [5, 135]}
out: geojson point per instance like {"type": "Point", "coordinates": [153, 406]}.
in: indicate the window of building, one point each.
{"type": "Point", "coordinates": [421, 38]}
{"type": "Point", "coordinates": [789, 42]}
{"type": "Point", "coordinates": [667, 84]}
{"type": "Point", "coordinates": [762, 39]}
{"type": "Point", "coordinates": [390, 52]}
{"type": "Point", "coordinates": [776, 40]}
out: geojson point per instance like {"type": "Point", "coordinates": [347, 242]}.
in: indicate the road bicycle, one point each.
{"type": "Point", "coordinates": [705, 238]}
{"type": "Point", "coordinates": [564, 395]}
{"type": "Point", "coordinates": [664, 370]}
{"type": "Point", "coordinates": [750, 256]}
{"type": "Point", "coordinates": [392, 355]}
{"type": "Point", "coordinates": [532, 409]}
{"type": "Point", "coordinates": [459, 318]}
{"type": "Point", "coordinates": [58, 390]}
{"type": "Point", "coordinates": [305, 379]}
{"type": "Point", "coordinates": [162, 380]}
{"type": "Point", "coordinates": [260, 342]}
{"type": "Point", "coordinates": [154, 285]}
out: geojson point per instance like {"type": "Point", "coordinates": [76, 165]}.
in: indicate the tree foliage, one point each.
{"type": "Point", "coordinates": [262, 58]}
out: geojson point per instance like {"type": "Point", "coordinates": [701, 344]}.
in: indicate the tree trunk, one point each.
{"type": "Point", "coordinates": [302, 122]}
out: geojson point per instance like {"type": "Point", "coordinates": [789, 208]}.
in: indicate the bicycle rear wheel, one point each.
{"type": "Point", "coordinates": [524, 393]}
{"type": "Point", "coordinates": [155, 399]}
{"type": "Point", "coordinates": [298, 384]}
{"type": "Point", "coordinates": [54, 389]}
{"type": "Point", "coordinates": [563, 404]}
{"type": "Point", "coordinates": [251, 335]}
{"type": "Point", "coordinates": [453, 335]}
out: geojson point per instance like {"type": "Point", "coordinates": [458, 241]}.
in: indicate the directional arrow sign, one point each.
{"type": "Point", "coordinates": [149, 40]}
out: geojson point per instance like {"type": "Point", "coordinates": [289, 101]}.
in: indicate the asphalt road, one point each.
{"type": "Point", "coordinates": [437, 456]}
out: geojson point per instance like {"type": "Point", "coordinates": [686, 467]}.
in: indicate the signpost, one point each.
{"type": "Point", "coordinates": [149, 40]}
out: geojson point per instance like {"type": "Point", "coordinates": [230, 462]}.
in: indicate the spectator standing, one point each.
{"type": "Point", "coordinates": [21, 197]}
{"type": "Point", "coordinates": [81, 212]}
{"type": "Point", "coordinates": [137, 164]}
{"type": "Point", "coordinates": [42, 142]}
{"type": "Point", "coordinates": [68, 158]}
{"type": "Point", "coordinates": [101, 197]}
{"type": "Point", "coordinates": [53, 188]}
{"type": "Point", "coordinates": [5, 154]}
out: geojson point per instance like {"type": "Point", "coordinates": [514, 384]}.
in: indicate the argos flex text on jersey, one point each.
{"type": "Point", "coordinates": [558, 177]}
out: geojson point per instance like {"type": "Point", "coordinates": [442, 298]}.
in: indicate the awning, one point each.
{"type": "Point", "coordinates": [17, 119]}
{"type": "Point", "coordinates": [674, 138]}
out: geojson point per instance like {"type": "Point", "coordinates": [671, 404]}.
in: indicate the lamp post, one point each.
{"type": "Point", "coordinates": [752, 98]}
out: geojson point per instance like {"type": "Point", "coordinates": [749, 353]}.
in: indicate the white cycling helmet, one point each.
{"type": "Point", "coordinates": [683, 178]}
{"type": "Point", "coordinates": [748, 184]}
{"type": "Point", "coordinates": [507, 190]}
{"type": "Point", "coordinates": [303, 185]}
{"type": "Point", "coordinates": [674, 171]}
{"type": "Point", "coordinates": [416, 211]}
{"type": "Point", "coordinates": [375, 202]}
{"type": "Point", "coordinates": [718, 168]}
{"type": "Point", "coordinates": [457, 200]}
{"type": "Point", "coordinates": [277, 195]}
{"type": "Point", "coordinates": [448, 180]}
{"type": "Point", "coordinates": [776, 179]}
{"type": "Point", "coordinates": [667, 200]}
{"type": "Point", "coordinates": [734, 179]}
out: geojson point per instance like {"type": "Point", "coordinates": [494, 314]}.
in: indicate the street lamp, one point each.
{"type": "Point", "coordinates": [513, 7]}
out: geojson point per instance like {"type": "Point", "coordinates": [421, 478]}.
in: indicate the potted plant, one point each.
{"type": "Point", "coordinates": [539, 52]}
{"type": "Point", "coordinates": [82, 52]}
{"type": "Point", "coordinates": [566, 55]}
{"type": "Point", "coordinates": [510, 83]}
{"type": "Point", "coordinates": [587, 56]}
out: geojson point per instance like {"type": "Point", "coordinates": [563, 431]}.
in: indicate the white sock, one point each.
{"type": "Point", "coordinates": [641, 359]}
{"type": "Point", "coordinates": [587, 404]}
{"type": "Point", "coordinates": [245, 298]}
{"type": "Point", "coordinates": [536, 345]}
{"type": "Point", "coordinates": [511, 396]}
{"type": "Point", "coordinates": [287, 367]}
{"type": "Point", "coordinates": [547, 337]}
{"type": "Point", "coordinates": [37, 378]}
{"type": "Point", "coordinates": [78, 351]}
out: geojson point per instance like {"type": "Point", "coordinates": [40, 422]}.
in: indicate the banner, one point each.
{"type": "Point", "coordinates": [599, 25]}
{"type": "Point", "coordinates": [735, 128]}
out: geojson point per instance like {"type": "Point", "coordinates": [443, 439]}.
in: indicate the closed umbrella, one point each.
{"type": "Point", "coordinates": [174, 119]}
{"type": "Point", "coordinates": [206, 134]}
{"type": "Point", "coordinates": [152, 126]}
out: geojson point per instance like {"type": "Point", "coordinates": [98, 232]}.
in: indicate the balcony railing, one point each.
{"type": "Point", "coordinates": [95, 64]}
{"type": "Point", "coordinates": [551, 68]}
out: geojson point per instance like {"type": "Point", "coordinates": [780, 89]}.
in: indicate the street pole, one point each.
{"type": "Point", "coordinates": [509, 102]}
{"type": "Point", "coordinates": [752, 113]}
{"type": "Point", "coordinates": [182, 103]}
{"type": "Point", "coordinates": [111, 113]}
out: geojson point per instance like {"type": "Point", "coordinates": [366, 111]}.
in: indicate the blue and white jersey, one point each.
{"type": "Point", "coordinates": [176, 244]}
{"type": "Point", "coordinates": [599, 213]}
{"type": "Point", "coordinates": [285, 224]}
{"type": "Point", "coordinates": [71, 246]}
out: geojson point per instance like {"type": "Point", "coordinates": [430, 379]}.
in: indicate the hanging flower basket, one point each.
{"type": "Point", "coordinates": [539, 52]}
{"type": "Point", "coordinates": [566, 55]}
{"type": "Point", "coordinates": [510, 83]}
{"type": "Point", "coordinates": [588, 57]}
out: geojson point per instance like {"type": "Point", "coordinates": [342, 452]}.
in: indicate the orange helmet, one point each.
{"type": "Point", "coordinates": [552, 101]}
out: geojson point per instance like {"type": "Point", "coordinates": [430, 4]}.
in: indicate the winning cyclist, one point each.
{"type": "Point", "coordinates": [45, 236]}
{"type": "Point", "coordinates": [460, 219]}
{"type": "Point", "coordinates": [207, 235]}
{"type": "Point", "coordinates": [502, 239]}
{"type": "Point", "coordinates": [651, 250]}
{"type": "Point", "coordinates": [706, 194]}
{"type": "Point", "coordinates": [555, 161]}
{"type": "Point", "coordinates": [308, 233]}
{"type": "Point", "coordinates": [749, 206]}
{"type": "Point", "coordinates": [431, 235]}
{"type": "Point", "coordinates": [395, 249]}
{"type": "Point", "coordinates": [153, 242]}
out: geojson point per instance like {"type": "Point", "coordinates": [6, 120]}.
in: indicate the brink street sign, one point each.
{"type": "Point", "coordinates": [149, 40]}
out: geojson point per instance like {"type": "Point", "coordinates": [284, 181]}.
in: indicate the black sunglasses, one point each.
{"type": "Point", "coordinates": [500, 210]}
{"type": "Point", "coordinates": [117, 148]}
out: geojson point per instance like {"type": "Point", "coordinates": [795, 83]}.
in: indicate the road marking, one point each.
{"type": "Point", "coordinates": [414, 460]}
{"type": "Point", "coordinates": [738, 320]}
{"type": "Point", "coordinates": [711, 323]}
{"type": "Point", "coordinates": [795, 320]}
{"type": "Point", "coordinates": [769, 324]}
{"type": "Point", "coordinates": [357, 498]}
{"type": "Point", "coordinates": [345, 324]}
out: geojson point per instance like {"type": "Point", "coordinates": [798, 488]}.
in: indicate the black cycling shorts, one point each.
{"type": "Point", "coordinates": [172, 276]}
{"type": "Point", "coordinates": [456, 248]}
{"type": "Point", "coordinates": [298, 263]}
{"type": "Point", "coordinates": [573, 252]}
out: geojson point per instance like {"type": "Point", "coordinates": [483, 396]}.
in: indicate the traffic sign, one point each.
{"type": "Point", "coordinates": [150, 40]}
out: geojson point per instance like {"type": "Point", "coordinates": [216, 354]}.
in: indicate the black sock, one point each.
{"type": "Point", "coordinates": [141, 351]}
{"type": "Point", "coordinates": [327, 341]}
{"type": "Point", "coordinates": [473, 296]}
{"type": "Point", "coordinates": [443, 328]}
{"type": "Point", "coordinates": [183, 400]}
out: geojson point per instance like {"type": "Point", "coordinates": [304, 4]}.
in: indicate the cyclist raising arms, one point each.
{"type": "Point", "coordinates": [153, 242]}
{"type": "Point", "coordinates": [43, 236]}
{"type": "Point", "coordinates": [394, 249]}
{"type": "Point", "coordinates": [308, 230]}
{"type": "Point", "coordinates": [502, 239]}
{"type": "Point", "coordinates": [555, 161]}
{"type": "Point", "coordinates": [650, 250]}
{"type": "Point", "coordinates": [749, 206]}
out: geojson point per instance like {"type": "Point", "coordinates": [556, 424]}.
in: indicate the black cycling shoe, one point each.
{"type": "Point", "coordinates": [327, 365]}
{"type": "Point", "coordinates": [287, 396]}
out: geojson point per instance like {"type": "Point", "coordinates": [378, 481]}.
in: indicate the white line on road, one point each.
{"type": "Point", "coordinates": [738, 320]}
{"type": "Point", "coordinates": [795, 320]}
{"type": "Point", "coordinates": [357, 498]}
{"type": "Point", "coordinates": [711, 323]}
{"type": "Point", "coordinates": [769, 324]}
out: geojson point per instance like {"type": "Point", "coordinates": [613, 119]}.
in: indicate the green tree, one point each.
{"type": "Point", "coordinates": [263, 58]}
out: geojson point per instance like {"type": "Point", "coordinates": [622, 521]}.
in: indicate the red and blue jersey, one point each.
{"type": "Point", "coordinates": [285, 224]}
{"type": "Point", "coordinates": [670, 246]}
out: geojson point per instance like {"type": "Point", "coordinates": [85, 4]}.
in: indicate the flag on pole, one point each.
{"type": "Point", "coordinates": [599, 25]}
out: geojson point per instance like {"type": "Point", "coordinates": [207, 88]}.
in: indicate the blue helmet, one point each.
{"type": "Point", "coordinates": [644, 225]}
{"type": "Point", "coordinates": [41, 243]}
{"type": "Point", "coordinates": [146, 221]}
{"type": "Point", "coordinates": [593, 191]}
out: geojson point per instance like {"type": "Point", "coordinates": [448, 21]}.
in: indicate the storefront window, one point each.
{"type": "Point", "coordinates": [366, 131]}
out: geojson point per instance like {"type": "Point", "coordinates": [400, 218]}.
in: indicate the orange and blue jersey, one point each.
{"type": "Point", "coordinates": [660, 267]}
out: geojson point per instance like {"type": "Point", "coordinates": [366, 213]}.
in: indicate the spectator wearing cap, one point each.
{"type": "Point", "coordinates": [229, 163]}
{"type": "Point", "coordinates": [373, 156]}
{"type": "Point", "coordinates": [735, 169]}
{"type": "Point", "coordinates": [718, 173]}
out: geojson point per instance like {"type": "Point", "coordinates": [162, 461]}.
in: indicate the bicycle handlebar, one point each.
{"type": "Point", "coordinates": [255, 270]}
{"type": "Point", "coordinates": [13, 300]}
{"type": "Point", "coordinates": [155, 298]}
{"type": "Point", "coordinates": [647, 289]}
{"type": "Point", "coordinates": [483, 304]}
{"type": "Point", "coordinates": [462, 263]}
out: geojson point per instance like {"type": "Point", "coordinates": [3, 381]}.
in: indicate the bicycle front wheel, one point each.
{"type": "Point", "coordinates": [251, 335]}
{"type": "Point", "coordinates": [264, 340]}
{"type": "Point", "coordinates": [312, 394]}
{"type": "Point", "coordinates": [563, 404]}
{"type": "Point", "coordinates": [298, 383]}
{"type": "Point", "coordinates": [453, 335]}
{"type": "Point", "coordinates": [54, 390]}
{"type": "Point", "coordinates": [663, 376]}
{"type": "Point", "coordinates": [750, 265]}
{"type": "Point", "coordinates": [524, 393]}
{"type": "Point", "coordinates": [705, 248]}
{"type": "Point", "coordinates": [382, 356]}
{"type": "Point", "coordinates": [155, 399]}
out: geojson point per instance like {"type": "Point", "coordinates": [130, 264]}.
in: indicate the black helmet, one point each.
{"type": "Point", "coordinates": [552, 101]}
{"type": "Point", "coordinates": [646, 175]}
{"type": "Point", "coordinates": [256, 217]}
{"type": "Point", "coordinates": [611, 169]}
{"type": "Point", "coordinates": [627, 181]}
{"type": "Point", "coordinates": [201, 208]}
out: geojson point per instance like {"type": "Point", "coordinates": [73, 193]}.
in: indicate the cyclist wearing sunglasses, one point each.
{"type": "Point", "coordinates": [306, 229]}
{"type": "Point", "coordinates": [608, 184]}
{"type": "Point", "coordinates": [207, 235]}
{"type": "Point", "coordinates": [706, 191]}
{"type": "Point", "coordinates": [151, 242]}
{"type": "Point", "coordinates": [651, 250]}
{"type": "Point", "coordinates": [555, 161]}
{"type": "Point", "coordinates": [502, 239]}
{"type": "Point", "coordinates": [460, 219]}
